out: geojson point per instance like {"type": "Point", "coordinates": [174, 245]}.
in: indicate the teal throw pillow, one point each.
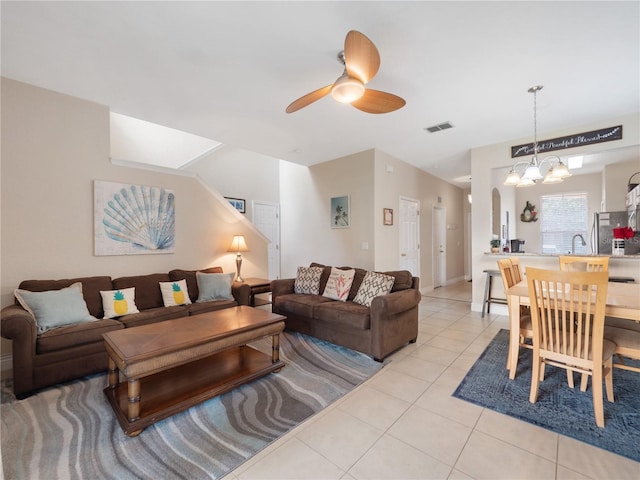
{"type": "Point", "coordinates": [214, 286]}
{"type": "Point", "coordinates": [55, 308]}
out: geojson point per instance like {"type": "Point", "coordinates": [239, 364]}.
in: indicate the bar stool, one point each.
{"type": "Point", "coordinates": [488, 299]}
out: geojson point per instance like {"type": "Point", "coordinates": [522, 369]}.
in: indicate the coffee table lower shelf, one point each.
{"type": "Point", "coordinates": [172, 391]}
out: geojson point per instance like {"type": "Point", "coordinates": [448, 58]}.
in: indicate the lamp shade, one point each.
{"type": "Point", "coordinates": [513, 178]}
{"type": "Point", "coordinates": [526, 182]}
{"type": "Point", "coordinates": [238, 244]}
{"type": "Point", "coordinates": [550, 177]}
{"type": "Point", "coordinates": [532, 172]}
{"type": "Point", "coordinates": [561, 171]}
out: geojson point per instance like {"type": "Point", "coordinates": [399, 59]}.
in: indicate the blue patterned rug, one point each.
{"type": "Point", "coordinates": [559, 408]}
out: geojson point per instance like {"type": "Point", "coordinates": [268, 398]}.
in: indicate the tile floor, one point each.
{"type": "Point", "coordinates": [404, 424]}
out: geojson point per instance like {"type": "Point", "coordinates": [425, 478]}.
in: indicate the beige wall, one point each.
{"type": "Point", "coordinates": [305, 195]}
{"type": "Point", "coordinates": [408, 181]}
{"type": "Point", "coordinates": [240, 173]}
{"type": "Point", "coordinates": [53, 148]}
{"type": "Point", "coordinates": [307, 235]}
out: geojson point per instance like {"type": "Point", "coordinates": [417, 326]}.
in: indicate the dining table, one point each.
{"type": "Point", "coordinates": [623, 301]}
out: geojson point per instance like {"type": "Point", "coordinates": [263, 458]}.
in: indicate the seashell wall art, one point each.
{"type": "Point", "coordinates": [133, 219]}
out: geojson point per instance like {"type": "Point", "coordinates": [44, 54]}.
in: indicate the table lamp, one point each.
{"type": "Point", "coordinates": [238, 245]}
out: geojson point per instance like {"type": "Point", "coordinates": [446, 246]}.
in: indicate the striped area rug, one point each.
{"type": "Point", "coordinates": [70, 431]}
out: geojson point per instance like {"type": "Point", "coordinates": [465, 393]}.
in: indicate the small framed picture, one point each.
{"type": "Point", "coordinates": [238, 203]}
{"type": "Point", "coordinates": [340, 212]}
{"type": "Point", "coordinates": [387, 216]}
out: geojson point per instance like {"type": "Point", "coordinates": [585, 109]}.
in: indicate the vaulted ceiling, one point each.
{"type": "Point", "coordinates": [227, 70]}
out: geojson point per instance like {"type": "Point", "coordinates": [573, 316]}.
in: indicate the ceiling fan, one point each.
{"type": "Point", "coordinates": [361, 61]}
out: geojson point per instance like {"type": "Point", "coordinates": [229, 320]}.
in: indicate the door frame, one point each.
{"type": "Point", "coordinates": [417, 202]}
{"type": "Point", "coordinates": [277, 268]}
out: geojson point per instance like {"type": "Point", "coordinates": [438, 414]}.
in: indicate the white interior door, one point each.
{"type": "Point", "coordinates": [439, 247]}
{"type": "Point", "coordinates": [410, 235]}
{"type": "Point", "coordinates": [266, 218]}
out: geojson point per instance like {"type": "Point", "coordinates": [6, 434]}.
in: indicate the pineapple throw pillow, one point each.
{"type": "Point", "coordinates": [175, 293]}
{"type": "Point", "coordinates": [116, 303]}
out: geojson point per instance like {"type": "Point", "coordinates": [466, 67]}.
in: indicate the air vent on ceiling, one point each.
{"type": "Point", "coordinates": [439, 127]}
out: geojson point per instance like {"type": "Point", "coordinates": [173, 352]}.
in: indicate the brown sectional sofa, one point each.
{"type": "Point", "coordinates": [390, 322]}
{"type": "Point", "coordinates": [72, 351]}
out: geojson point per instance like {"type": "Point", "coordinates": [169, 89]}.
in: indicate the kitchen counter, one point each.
{"type": "Point", "coordinates": [619, 266]}
{"type": "Point", "coordinates": [555, 255]}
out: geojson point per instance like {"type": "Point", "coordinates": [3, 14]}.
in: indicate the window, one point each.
{"type": "Point", "coordinates": [561, 217]}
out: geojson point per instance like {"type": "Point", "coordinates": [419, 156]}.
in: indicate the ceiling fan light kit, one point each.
{"type": "Point", "coordinates": [361, 61]}
{"type": "Point", "coordinates": [347, 89]}
{"type": "Point", "coordinates": [532, 173]}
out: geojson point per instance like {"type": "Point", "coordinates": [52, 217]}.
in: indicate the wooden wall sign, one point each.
{"type": "Point", "coordinates": [570, 141]}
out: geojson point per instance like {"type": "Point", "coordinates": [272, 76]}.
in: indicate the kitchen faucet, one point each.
{"type": "Point", "coordinates": [573, 242]}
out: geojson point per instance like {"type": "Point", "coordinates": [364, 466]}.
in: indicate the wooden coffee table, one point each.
{"type": "Point", "coordinates": [172, 365]}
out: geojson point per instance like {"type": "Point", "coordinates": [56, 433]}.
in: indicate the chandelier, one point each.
{"type": "Point", "coordinates": [556, 170]}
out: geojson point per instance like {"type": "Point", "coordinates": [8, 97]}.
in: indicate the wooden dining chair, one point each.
{"type": "Point", "coordinates": [512, 274]}
{"type": "Point", "coordinates": [626, 335]}
{"type": "Point", "coordinates": [574, 263]}
{"type": "Point", "coordinates": [567, 313]}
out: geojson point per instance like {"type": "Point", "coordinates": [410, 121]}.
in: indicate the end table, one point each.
{"type": "Point", "coordinates": [258, 285]}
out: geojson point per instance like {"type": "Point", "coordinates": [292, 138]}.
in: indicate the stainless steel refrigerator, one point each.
{"type": "Point", "coordinates": [602, 233]}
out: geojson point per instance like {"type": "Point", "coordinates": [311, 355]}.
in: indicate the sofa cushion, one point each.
{"type": "Point", "coordinates": [175, 293]}
{"type": "Point", "coordinates": [211, 306]}
{"type": "Point", "coordinates": [339, 284]}
{"type": "Point", "coordinates": [73, 335]}
{"type": "Point", "coordinates": [299, 304]}
{"type": "Point", "coordinates": [55, 308]}
{"type": "Point", "coordinates": [214, 286]}
{"type": "Point", "coordinates": [403, 279]}
{"type": "Point", "coordinates": [192, 281]}
{"type": "Point", "coordinates": [91, 287]}
{"type": "Point", "coordinates": [119, 302]}
{"type": "Point", "coordinates": [153, 315]}
{"type": "Point", "coordinates": [343, 314]}
{"type": "Point", "coordinates": [324, 276]}
{"type": "Point", "coordinates": [308, 280]}
{"type": "Point", "coordinates": [357, 281]}
{"type": "Point", "coordinates": [148, 294]}
{"type": "Point", "coordinates": [373, 285]}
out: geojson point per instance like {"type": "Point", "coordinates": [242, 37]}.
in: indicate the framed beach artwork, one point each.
{"type": "Point", "coordinates": [133, 219]}
{"type": "Point", "coordinates": [340, 212]}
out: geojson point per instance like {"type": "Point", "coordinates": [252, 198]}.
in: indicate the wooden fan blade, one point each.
{"type": "Point", "coordinates": [374, 101]}
{"type": "Point", "coordinates": [308, 99]}
{"type": "Point", "coordinates": [361, 57]}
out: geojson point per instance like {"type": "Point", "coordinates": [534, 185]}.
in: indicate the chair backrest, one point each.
{"type": "Point", "coordinates": [567, 313]}
{"type": "Point", "coordinates": [508, 273]}
{"type": "Point", "coordinates": [517, 270]}
{"type": "Point", "coordinates": [584, 264]}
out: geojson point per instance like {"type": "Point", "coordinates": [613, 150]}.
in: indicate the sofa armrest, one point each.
{"type": "Point", "coordinates": [282, 286]}
{"type": "Point", "coordinates": [394, 321]}
{"type": "Point", "coordinates": [241, 293]}
{"type": "Point", "coordinates": [18, 325]}
{"type": "Point", "coordinates": [394, 303]}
